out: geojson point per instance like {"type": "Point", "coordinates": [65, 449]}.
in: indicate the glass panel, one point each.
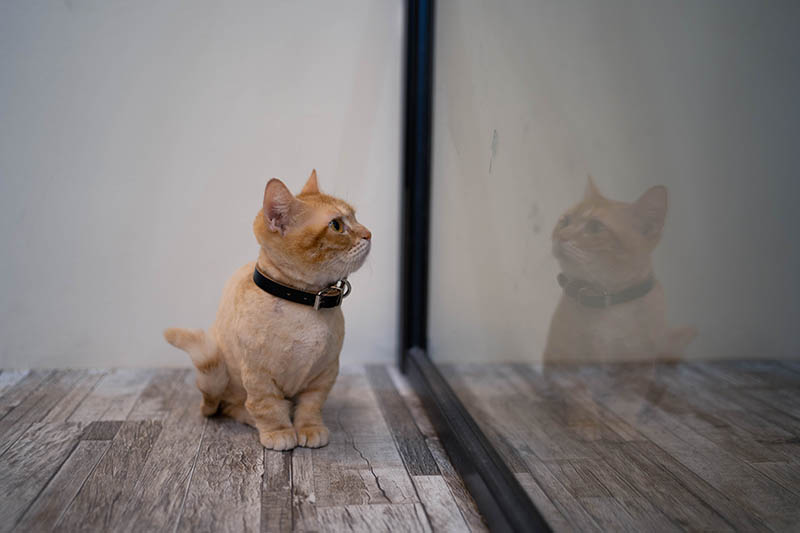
{"type": "Point", "coordinates": [627, 340]}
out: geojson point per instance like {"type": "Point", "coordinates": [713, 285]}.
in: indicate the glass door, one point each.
{"type": "Point", "coordinates": [613, 286]}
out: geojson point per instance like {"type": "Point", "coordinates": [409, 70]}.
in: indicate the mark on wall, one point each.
{"type": "Point", "coordinates": [494, 150]}
{"type": "Point", "coordinates": [533, 216]}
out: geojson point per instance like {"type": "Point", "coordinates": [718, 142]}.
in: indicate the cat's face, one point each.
{"type": "Point", "coordinates": [314, 236]}
{"type": "Point", "coordinates": [607, 242]}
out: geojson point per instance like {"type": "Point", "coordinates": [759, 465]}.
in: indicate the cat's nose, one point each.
{"type": "Point", "coordinates": [367, 234]}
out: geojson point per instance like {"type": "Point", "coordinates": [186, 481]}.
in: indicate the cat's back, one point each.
{"type": "Point", "coordinates": [236, 288]}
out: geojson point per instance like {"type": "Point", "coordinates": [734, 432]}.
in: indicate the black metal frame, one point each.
{"type": "Point", "coordinates": [499, 496]}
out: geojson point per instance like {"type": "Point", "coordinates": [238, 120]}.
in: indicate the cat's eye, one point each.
{"type": "Point", "coordinates": [336, 225]}
{"type": "Point", "coordinates": [594, 226]}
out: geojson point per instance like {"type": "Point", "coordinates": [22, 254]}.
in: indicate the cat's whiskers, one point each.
{"type": "Point", "coordinates": [573, 252]}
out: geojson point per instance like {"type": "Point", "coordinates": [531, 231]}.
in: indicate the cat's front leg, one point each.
{"type": "Point", "coordinates": [311, 431]}
{"type": "Point", "coordinates": [270, 411]}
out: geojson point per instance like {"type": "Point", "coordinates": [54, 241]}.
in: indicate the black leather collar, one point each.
{"type": "Point", "coordinates": [325, 299]}
{"type": "Point", "coordinates": [591, 296]}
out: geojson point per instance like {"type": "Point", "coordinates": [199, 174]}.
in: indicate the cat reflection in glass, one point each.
{"type": "Point", "coordinates": [612, 308]}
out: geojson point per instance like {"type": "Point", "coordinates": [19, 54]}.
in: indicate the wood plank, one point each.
{"type": "Point", "coordinates": [611, 502]}
{"type": "Point", "coordinates": [361, 464]}
{"type": "Point", "coordinates": [773, 373]}
{"type": "Point", "coordinates": [729, 475]}
{"type": "Point", "coordinates": [786, 475]}
{"type": "Point", "coordinates": [225, 489]}
{"type": "Point", "coordinates": [80, 390]}
{"type": "Point", "coordinates": [61, 490]}
{"type": "Point", "coordinates": [784, 400]}
{"type": "Point", "coordinates": [578, 476]}
{"type": "Point", "coordinates": [536, 425]}
{"type": "Point", "coordinates": [645, 515]}
{"type": "Point", "coordinates": [41, 401]}
{"type": "Point", "coordinates": [543, 503]}
{"type": "Point", "coordinates": [679, 494]}
{"type": "Point", "coordinates": [407, 437]}
{"type": "Point", "coordinates": [735, 418]}
{"type": "Point", "coordinates": [720, 412]}
{"type": "Point", "coordinates": [721, 373]}
{"type": "Point", "coordinates": [9, 378]}
{"type": "Point", "coordinates": [591, 420]}
{"type": "Point", "coordinates": [475, 403]}
{"type": "Point", "coordinates": [439, 505]}
{"type": "Point", "coordinates": [276, 492]}
{"type": "Point", "coordinates": [567, 505]}
{"type": "Point", "coordinates": [407, 518]}
{"type": "Point", "coordinates": [36, 406]}
{"type": "Point", "coordinates": [158, 496]}
{"type": "Point", "coordinates": [113, 396]}
{"type": "Point", "coordinates": [466, 504]}
{"type": "Point", "coordinates": [413, 403]}
{"type": "Point", "coordinates": [20, 390]}
{"type": "Point", "coordinates": [28, 465]}
{"type": "Point", "coordinates": [609, 514]}
{"type": "Point", "coordinates": [304, 493]}
{"type": "Point", "coordinates": [108, 488]}
{"type": "Point", "coordinates": [156, 400]}
{"type": "Point", "coordinates": [102, 430]}
{"type": "Point", "coordinates": [720, 417]}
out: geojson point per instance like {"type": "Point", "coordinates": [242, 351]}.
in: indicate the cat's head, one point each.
{"type": "Point", "coordinates": [608, 242]}
{"type": "Point", "coordinates": [313, 237]}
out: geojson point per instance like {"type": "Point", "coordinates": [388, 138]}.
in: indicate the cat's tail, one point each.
{"type": "Point", "coordinates": [212, 373]}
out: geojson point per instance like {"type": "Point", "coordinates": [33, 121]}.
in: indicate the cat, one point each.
{"type": "Point", "coordinates": [612, 308]}
{"type": "Point", "coordinates": [267, 361]}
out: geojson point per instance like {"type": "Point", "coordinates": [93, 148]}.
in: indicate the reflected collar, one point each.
{"type": "Point", "coordinates": [592, 296]}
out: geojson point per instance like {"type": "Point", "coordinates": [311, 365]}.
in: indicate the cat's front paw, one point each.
{"type": "Point", "coordinates": [281, 439]}
{"type": "Point", "coordinates": [313, 436]}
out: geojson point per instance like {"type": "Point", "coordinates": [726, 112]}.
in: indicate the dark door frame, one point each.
{"type": "Point", "coordinates": [498, 494]}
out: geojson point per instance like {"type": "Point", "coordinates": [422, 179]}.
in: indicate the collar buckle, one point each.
{"type": "Point", "coordinates": [339, 290]}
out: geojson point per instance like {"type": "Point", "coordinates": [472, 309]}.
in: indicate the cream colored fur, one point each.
{"type": "Point", "coordinates": [609, 244]}
{"type": "Point", "coordinates": [266, 361]}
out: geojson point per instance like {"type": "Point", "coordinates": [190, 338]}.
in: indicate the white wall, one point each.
{"type": "Point", "coordinates": [136, 140]}
{"type": "Point", "coordinates": [532, 96]}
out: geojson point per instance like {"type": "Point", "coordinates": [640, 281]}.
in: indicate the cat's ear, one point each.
{"type": "Point", "coordinates": [651, 211]}
{"type": "Point", "coordinates": [591, 191]}
{"type": "Point", "coordinates": [311, 186]}
{"type": "Point", "coordinates": [279, 206]}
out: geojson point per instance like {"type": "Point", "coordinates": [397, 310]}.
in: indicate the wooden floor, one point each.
{"type": "Point", "coordinates": [702, 446]}
{"type": "Point", "coordinates": [128, 450]}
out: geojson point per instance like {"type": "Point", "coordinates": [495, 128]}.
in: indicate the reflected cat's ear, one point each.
{"type": "Point", "coordinates": [591, 190]}
{"type": "Point", "coordinates": [311, 186]}
{"type": "Point", "coordinates": [651, 211]}
{"type": "Point", "coordinates": [279, 206]}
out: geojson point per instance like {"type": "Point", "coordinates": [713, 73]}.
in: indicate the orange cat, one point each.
{"type": "Point", "coordinates": [267, 361]}
{"type": "Point", "coordinates": [612, 307]}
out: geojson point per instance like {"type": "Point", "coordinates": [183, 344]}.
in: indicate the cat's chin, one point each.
{"type": "Point", "coordinates": [356, 257]}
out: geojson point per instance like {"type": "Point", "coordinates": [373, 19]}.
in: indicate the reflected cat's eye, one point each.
{"type": "Point", "coordinates": [594, 226]}
{"type": "Point", "coordinates": [564, 222]}
{"type": "Point", "coordinates": [336, 225]}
